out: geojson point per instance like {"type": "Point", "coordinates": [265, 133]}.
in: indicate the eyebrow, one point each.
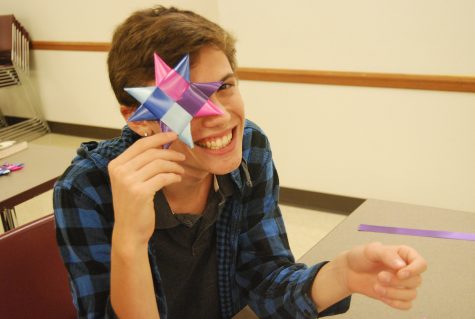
{"type": "Point", "coordinates": [227, 76]}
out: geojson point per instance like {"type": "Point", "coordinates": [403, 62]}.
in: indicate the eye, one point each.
{"type": "Point", "coordinates": [225, 86]}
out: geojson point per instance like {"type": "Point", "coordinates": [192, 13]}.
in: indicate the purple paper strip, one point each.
{"type": "Point", "coordinates": [192, 100]}
{"type": "Point", "coordinates": [164, 129]}
{"type": "Point", "coordinates": [417, 232]}
{"type": "Point", "coordinates": [208, 88]}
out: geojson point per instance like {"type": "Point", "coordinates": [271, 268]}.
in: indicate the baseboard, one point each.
{"type": "Point", "coordinates": [12, 120]}
{"type": "Point", "coordinates": [94, 132]}
{"type": "Point", "coordinates": [338, 204]}
{"type": "Point", "coordinates": [288, 196]}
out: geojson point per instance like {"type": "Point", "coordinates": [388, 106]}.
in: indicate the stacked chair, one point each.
{"type": "Point", "coordinates": [15, 76]}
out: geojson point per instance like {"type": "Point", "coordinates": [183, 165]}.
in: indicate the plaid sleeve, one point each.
{"type": "Point", "coordinates": [83, 229]}
{"type": "Point", "coordinates": [272, 283]}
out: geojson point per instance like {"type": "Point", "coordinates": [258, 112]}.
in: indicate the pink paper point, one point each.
{"type": "Point", "coordinates": [209, 109]}
{"type": "Point", "coordinates": [161, 68]}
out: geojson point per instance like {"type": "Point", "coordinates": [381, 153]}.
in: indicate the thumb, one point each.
{"type": "Point", "coordinates": [386, 255]}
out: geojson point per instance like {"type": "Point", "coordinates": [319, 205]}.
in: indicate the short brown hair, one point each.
{"type": "Point", "coordinates": [171, 33]}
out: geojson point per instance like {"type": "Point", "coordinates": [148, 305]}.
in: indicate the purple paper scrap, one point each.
{"type": "Point", "coordinates": [417, 232]}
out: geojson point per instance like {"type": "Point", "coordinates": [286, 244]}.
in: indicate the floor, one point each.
{"type": "Point", "coordinates": [304, 227]}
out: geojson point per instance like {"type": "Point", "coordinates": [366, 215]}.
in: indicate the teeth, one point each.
{"type": "Point", "coordinates": [216, 143]}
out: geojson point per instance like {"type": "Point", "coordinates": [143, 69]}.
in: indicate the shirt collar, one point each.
{"type": "Point", "coordinates": [164, 217]}
{"type": "Point", "coordinates": [223, 185]}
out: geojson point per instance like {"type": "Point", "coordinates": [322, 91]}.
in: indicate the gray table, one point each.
{"type": "Point", "coordinates": [43, 165]}
{"type": "Point", "coordinates": [448, 290]}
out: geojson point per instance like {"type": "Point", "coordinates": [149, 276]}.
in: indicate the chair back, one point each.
{"type": "Point", "coordinates": [33, 279]}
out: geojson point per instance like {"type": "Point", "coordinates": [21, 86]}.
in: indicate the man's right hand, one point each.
{"type": "Point", "coordinates": [136, 175]}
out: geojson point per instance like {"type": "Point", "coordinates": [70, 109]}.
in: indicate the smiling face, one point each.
{"type": "Point", "coordinates": [217, 139]}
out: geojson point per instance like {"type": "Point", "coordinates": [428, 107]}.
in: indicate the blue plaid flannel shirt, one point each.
{"type": "Point", "coordinates": [255, 264]}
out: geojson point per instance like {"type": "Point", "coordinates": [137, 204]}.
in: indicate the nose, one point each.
{"type": "Point", "coordinates": [217, 120]}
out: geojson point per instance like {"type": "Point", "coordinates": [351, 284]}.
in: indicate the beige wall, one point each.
{"type": "Point", "coordinates": [87, 20]}
{"type": "Point", "coordinates": [403, 145]}
{"type": "Point", "coordinates": [395, 36]}
{"type": "Point", "coordinates": [73, 87]}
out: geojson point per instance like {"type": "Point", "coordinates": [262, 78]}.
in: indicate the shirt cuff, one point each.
{"type": "Point", "coordinates": [341, 306]}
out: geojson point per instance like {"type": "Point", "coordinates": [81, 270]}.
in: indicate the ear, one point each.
{"type": "Point", "coordinates": [127, 111]}
{"type": "Point", "coordinates": [143, 128]}
{"type": "Point", "coordinates": [139, 127]}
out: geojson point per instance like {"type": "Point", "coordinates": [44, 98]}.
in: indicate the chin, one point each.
{"type": "Point", "coordinates": [227, 167]}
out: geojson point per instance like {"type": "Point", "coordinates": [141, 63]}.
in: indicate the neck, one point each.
{"type": "Point", "coordinates": [190, 195]}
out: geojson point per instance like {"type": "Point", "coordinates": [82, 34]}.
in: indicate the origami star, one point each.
{"type": "Point", "coordinates": [174, 100]}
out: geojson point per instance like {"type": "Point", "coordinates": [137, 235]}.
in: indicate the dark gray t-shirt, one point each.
{"type": "Point", "coordinates": [186, 255]}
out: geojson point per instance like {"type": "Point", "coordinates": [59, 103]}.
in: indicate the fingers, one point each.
{"type": "Point", "coordinates": [158, 166]}
{"type": "Point", "coordinates": [378, 253]}
{"type": "Point", "coordinates": [143, 144]}
{"type": "Point", "coordinates": [398, 304]}
{"type": "Point", "coordinates": [145, 158]}
{"type": "Point", "coordinates": [396, 293]}
{"type": "Point", "coordinates": [399, 289]}
{"type": "Point", "coordinates": [395, 270]}
{"type": "Point", "coordinates": [387, 278]}
{"type": "Point", "coordinates": [142, 176]}
{"type": "Point", "coordinates": [416, 264]}
{"type": "Point", "coordinates": [399, 298]}
{"type": "Point", "coordinates": [152, 155]}
{"type": "Point", "coordinates": [162, 180]}
{"type": "Point", "coordinates": [403, 259]}
{"type": "Point", "coordinates": [143, 183]}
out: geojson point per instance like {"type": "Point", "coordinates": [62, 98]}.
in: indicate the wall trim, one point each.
{"type": "Point", "coordinates": [71, 46]}
{"type": "Point", "coordinates": [365, 79]}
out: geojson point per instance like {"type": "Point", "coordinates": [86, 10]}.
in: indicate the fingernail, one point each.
{"type": "Point", "coordinates": [399, 263]}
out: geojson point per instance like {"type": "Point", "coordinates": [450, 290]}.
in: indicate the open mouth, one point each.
{"type": "Point", "coordinates": [216, 142]}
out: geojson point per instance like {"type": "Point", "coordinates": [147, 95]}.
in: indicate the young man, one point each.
{"type": "Point", "coordinates": [179, 232]}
